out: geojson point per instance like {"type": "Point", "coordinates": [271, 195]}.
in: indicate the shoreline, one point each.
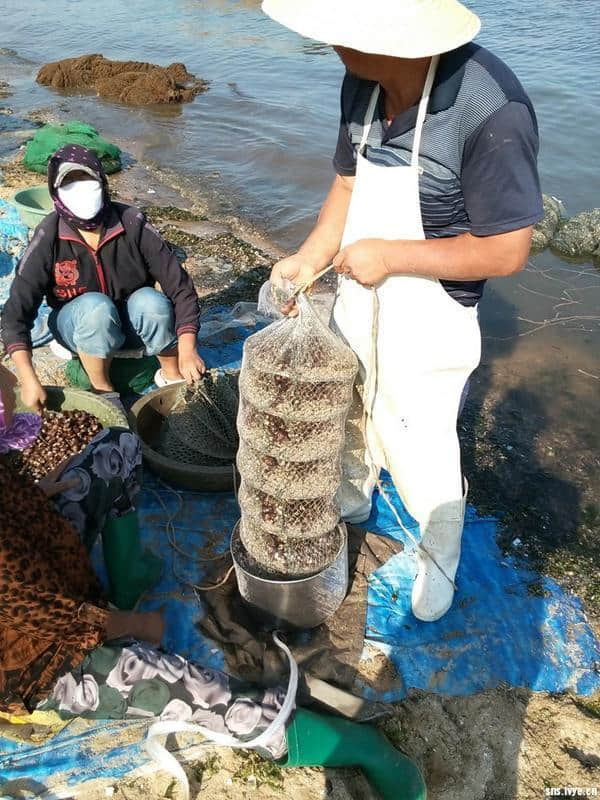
{"type": "Point", "coordinates": [526, 466]}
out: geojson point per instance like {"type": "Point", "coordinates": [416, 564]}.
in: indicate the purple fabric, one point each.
{"type": "Point", "coordinates": [22, 432]}
{"type": "Point", "coordinates": [76, 154]}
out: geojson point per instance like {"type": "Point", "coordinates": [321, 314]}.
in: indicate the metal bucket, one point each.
{"type": "Point", "coordinates": [299, 602]}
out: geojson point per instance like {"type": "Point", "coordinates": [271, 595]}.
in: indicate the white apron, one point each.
{"type": "Point", "coordinates": [427, 346]}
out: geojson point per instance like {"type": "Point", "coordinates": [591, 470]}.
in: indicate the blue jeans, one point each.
{"type": "Point", "coordinates": [94, 325]}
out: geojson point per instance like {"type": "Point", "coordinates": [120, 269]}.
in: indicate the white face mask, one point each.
{"type": "Point", "coordinates": [82, 198]}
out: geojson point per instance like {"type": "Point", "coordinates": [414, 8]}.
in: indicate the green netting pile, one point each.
{"type": "Point", "coordinates": [50, 138]}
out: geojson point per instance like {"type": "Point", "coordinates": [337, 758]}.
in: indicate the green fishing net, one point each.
{"type": "Point", "coordinates": [50, 138]}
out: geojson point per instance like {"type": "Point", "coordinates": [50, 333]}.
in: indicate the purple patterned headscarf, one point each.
{"type": "Point", "coordinates": [76, 154]}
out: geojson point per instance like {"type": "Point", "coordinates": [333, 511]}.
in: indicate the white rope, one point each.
{"type": "Point", "coordinates": [169, 763]}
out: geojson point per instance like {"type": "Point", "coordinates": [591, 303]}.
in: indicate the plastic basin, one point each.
{"type": "Point", "coordinates": [147, 417]}
{"type": "Point", "coordinates": [62, 398]}
{"type": "Point", "coordinates": [33, 204]}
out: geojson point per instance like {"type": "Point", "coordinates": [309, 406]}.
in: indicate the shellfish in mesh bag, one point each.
{"type": "Point", "coordinates": [289, 480]}
{"type": "Point", "coordinates": [295, 391]}
{"type": "Point", "coordinates": [295, 519]}
{"type": "Point", "coordinates": [295, 399]}
{"type": "Point", "coordinates": [288, 557]}
{"type": "Point", "coordinates": [203, 421]}
{"type": "Point", "coordinates": [302, 348]}
{"type": "Point", "coordinates": [290, 440]}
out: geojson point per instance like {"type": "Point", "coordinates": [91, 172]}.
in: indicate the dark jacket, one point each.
{"type": "Point", "coordinates": [59, 265]}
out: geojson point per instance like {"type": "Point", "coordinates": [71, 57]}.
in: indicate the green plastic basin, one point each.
{"type": "Point", "coordinates": [33, 204]}
{"type": "Point", "coordinates": [61, 398]}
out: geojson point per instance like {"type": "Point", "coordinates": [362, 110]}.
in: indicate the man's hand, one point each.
{"type": "Point", "coordinates": [191, 366]}
{"type": "Point", "coordinates": [8, 381]}
{"type": "Point", "coordinates": [364, 261]}
{"type": "Point", "coordinates": [298, 271]}
{"type": "Point", "coordinates": [33, 394]}
{"type": "Point", "coordinates": [295, 269]}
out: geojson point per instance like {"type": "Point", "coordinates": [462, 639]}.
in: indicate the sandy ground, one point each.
{"type": "Point", "coordinates": [506, 744]}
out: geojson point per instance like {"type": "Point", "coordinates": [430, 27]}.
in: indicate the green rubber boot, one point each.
{"type": "Point", "coordinates": [131, 570]}
{"type": "Point", "coordinates": [322, 740]}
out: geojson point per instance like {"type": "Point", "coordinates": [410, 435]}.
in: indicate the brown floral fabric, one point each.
{"type": "Point", "coordinates": [51, 611]}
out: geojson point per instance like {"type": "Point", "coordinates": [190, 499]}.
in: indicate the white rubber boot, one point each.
{"type": "Point", "coordinates": [432, 592]}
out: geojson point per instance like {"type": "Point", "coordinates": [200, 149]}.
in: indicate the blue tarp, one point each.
{"type": "Point", "coordinates": [508, 625]}
{"type": "Point", "coordinates": [14, 237]}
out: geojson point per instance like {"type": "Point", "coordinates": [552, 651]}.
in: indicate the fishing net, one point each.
{"type": "Point", "coordinates": [289, 558]}
{"type": "Point", "coordinates": [295, 391]}
{"type": "Point", "coordinates": [201, 426]}
{"type": "Point", "coordinates": [50, 138]}
{"type": "Point", "coordinates": [292, 480]}
{"type": "Point", "coordinates": [300, 519]}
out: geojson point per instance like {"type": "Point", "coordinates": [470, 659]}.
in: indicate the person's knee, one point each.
{"type": "Point", "coordinates": [152, 317]}
{"type": "Point", "coordinates": [97, 329]}
{"type": "Point", "coordinates": [93, 304]}
{"type": "Point", "coordinates": [147, 302]}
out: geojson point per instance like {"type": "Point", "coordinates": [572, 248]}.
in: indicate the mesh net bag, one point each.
{"type": "Point", "coordinates": [300, 519]}
{"type": "Point", "coordinates": [290, 480]}
{"type": "Point", "coordinates": [278, 556]}
{"type": "Point", "coordinates": [287, 439]}
{"type": "Point", "coordinates": [301, 348]}
{"type": "Point", "coordinates": [295, 399]}
{"type": "Point", "coordinates": [201, 427]}
{"type": "Point", "coordinates": [295, 391]}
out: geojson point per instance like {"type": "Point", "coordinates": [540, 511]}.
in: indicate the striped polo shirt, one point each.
{"type": "Point", "coordinates": [478, 150]}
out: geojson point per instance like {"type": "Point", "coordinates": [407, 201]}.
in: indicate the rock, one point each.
{"type": "Point", "coordinates": [137, 83]}
{"type": "Point", "coordinates": [579, 236]}
{"type": "Point", "coordinates": [545, 230]}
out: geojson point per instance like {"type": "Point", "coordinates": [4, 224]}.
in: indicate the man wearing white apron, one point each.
{"type": "Point", "coordinates": [436, 191]}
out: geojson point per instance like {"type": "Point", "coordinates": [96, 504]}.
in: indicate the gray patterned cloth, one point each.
{"type": "Point", "coordinates": [130, 679]}
{"type": "Point", "coordinates": [109, 472]}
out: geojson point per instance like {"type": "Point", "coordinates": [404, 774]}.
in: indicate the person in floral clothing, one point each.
{"type": "Point", "coordinates": [61, 647]}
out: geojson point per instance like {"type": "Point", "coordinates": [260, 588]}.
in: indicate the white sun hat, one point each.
{"type": "Point", "coordinates": [402, 28]}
